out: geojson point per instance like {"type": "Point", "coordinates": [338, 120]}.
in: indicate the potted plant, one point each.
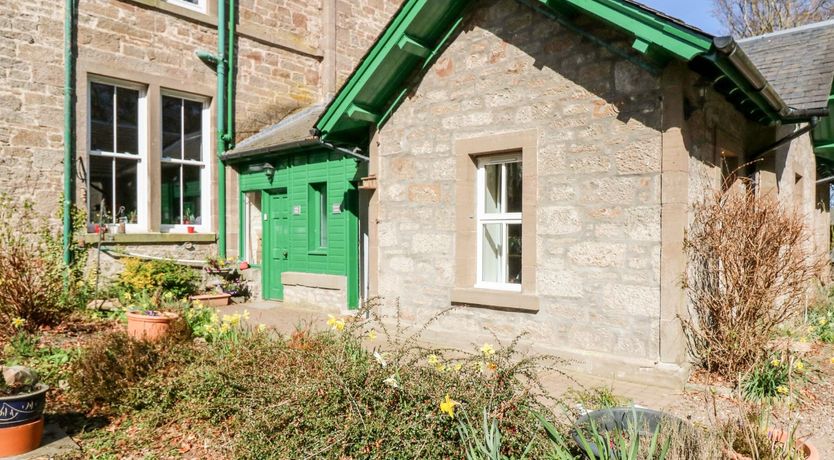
{"type": "Point", "coordinates": [147, 319]}
{"type": "Point", "coordinates": [750, 437]}
{"type": "Point", "coordinates": [22, 400]}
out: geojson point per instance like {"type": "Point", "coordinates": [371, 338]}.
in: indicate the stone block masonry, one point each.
{"type": "Point", "coordinates": [597, 118]}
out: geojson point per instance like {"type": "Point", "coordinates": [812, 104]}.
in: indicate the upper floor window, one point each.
{"type": "Point", "coordinates": [499, 187]}
{"type": "Point", "coordinates": [197, 5]}
{"type": "Point", "coordinates": [185, 175]}
{"type": "Point", "coordinates": [117, 153]}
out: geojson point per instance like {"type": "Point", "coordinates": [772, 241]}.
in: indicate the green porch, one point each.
{"type": "Point", "coordinates": [299, 214]}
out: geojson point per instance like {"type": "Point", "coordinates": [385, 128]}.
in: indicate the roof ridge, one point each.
{"type": "Point", "coordinates": [813, 25]}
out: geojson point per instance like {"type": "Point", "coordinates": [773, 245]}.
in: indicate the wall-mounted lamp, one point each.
{"type": "Point", "coordinates": [266, 168]}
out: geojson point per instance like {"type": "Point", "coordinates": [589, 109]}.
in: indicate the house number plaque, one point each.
{"type": "Point", "coordinates": [296, 210]}
{"type": "Point", "coordinates": [337, 208]}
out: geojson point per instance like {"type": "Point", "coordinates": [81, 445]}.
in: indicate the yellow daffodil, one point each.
{"type": "Point", "coordinates": [224, 328]}
{"type": "Point", "coordinates": [215, 318]}
{"type": "Point", "coordinates": [261, 327]}
{"type": "Point", "coordinates": [198, 304]}
{"type": "Point", "coordinates": [811, 329]}
{"type": "Point", "coordinates": [803, 339]}
{"type": "Point", "coordinates": [487, 350]}
{"type": "Point", "coordinates": [17, 323]}
{"type": "Point", "coordinates": [168, 295]}
{"type": "Point", "coordinates": [128, 296]}
{"type": "Point", "coordinates": [335, 324]}
{"type": "Point", "coordinates": [245, 315]}
{"type": "Point", "coordinates": [832, 360]}
{"type": "Point", "coordinates": [822, 322]}
{"type": "Point", "coordinates": [459, 366]}
{"type": "Point", "coordinates": [433, 359]}
{"type": "Point", "coordinates": [372, 334]}
{"type": "Point", "coordinates": [782, 389]}
{"type": "Point", "coordinates": [492, 366]}
{"type": "Point", "coordinates": [775, 363]}
{"type": "Point", "coordinates": [440, 367]}
{"type": "Point", "coordinates": [447, 406]}
{"type": "Point", "coordinates": [800, 366]}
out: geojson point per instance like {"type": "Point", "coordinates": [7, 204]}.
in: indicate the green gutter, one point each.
{"type": "Point", "coordinates": [69, 124]}
{"type": "Point", "coordinates": [221, 127]}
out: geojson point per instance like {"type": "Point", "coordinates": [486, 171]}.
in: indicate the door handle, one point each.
{"type": "Point", "coordinates": [285, 253]}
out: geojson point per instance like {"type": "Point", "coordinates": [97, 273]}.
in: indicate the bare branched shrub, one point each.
{"type": "Point", "coordinates": [751, 264]}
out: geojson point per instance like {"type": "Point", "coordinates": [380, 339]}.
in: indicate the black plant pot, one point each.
{"type": "Point", "coordinates": [643, 422]}
{"type": "Point", "coordinates": [23, 408]}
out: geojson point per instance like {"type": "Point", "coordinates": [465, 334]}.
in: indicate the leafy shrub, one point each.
{"type": "Point", "coordinates": [750, 268]}
{"type": "Point", "coordinates": [31, 272]}
{"type": "Point", "coordinates": [821, 322]}
{"type": "Point", "coordinates": [149, 276]}
{"type": "Point", "coordinates": [773, 378]}
{"type": "Point", "coordinates": [597, 398]}
{"type": "Point", "coordinates": [325, 395]}
{"type": "Point", "coordinates": [110, 365]}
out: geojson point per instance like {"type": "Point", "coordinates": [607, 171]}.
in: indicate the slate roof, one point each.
{"type": "Point", "coordinates": [292, 131]}
{"type": "Point", "coordinates": [798, 63]}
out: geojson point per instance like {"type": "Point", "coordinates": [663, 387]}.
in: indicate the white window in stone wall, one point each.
{"type": "Point", "coordinates": [499, 186]}
{"type": "Point", "coordinates": [117, 153]}
{"type": "Point", "coordinates": [184, 176]}
{"type": "Point", "coordinates": [196, 5]}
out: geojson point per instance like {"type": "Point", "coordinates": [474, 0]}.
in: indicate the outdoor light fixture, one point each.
{"type": "Point", "coordinates": [265, 168]}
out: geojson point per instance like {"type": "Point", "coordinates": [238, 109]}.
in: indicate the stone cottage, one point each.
{"type": "Point", "coordinates": [534, 163]}
{"type": "Point", "coordinates": [142, 118]}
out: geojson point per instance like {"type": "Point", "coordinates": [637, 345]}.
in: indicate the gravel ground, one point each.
{"type": "Point", "coordinates": [813, 414]}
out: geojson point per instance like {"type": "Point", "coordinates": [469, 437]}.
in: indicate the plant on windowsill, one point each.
{"type": "Point", "coordinates": [149, 317]}
{"type": "Point", "coordinates": [22, 399]}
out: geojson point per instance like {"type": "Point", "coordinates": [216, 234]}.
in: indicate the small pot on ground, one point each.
{"type": "Point", "coordinates": [213, 300]}
{"type": "Point", "coordinates": [780, 437]}
{"type": "Point", "coordinates": [21, 421]}
{"type": "Point", "coordinates": [149, 324]}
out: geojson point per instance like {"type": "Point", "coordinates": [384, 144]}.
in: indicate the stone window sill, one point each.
{"type": "Point", "coordinates": [499, 300]}
{"type": "Point", "coordinates": [149, 238]}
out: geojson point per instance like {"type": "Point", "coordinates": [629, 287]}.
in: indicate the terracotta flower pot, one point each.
{"type": "Point", "coordinates": [141, 325]}
{"type": "Point", "coordinates": [779, 436]}
{"type": "Point", "coordinates": [20, 439]}
{"type": "Point", "coordinates": [213, 300]}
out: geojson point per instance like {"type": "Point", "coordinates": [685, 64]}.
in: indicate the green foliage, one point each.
{"type": "Point", "coordinates": [326, 395]}
{"type": "Point", "coordinates": [32, 273]}
{"type": "Point", "coordinates": [821, 322]}
{"type": "Point", "coordinates": [149, 276]}
{"type": "Point", "coordinates": [485, 444]}
{"type": "Point", "coordinates": [597, 398]}
{"type": "Point", "coordinates": [774, 378]}
{"type": "Point", "coordinates": [51, 363]}
{"type": "Point", "coordinates": [749, 436]}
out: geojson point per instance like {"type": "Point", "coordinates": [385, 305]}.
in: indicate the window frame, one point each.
{"type": "Point", "coordinates": [141, 158]}
{"type": "Point", "coordinates": [317, 218]}
{"type": "Point", "coordinates": [504, 218]}
{"type": "Point", "coordinates": [200, 7]}
{"type": "Point", "coordinates": [206, 163]}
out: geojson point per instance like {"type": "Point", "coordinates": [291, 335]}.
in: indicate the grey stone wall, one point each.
{"type": "Point", "coordinates": [599, 148]}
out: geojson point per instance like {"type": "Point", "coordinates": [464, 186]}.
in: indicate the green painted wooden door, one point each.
{"type": "Point", "coordinates": [277, 247]}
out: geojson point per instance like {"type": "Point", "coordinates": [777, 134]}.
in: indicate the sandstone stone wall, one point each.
{"type": "Point", "coordinates": [281, 54]}
{"type": "Point", "coordinates": [599, 148]}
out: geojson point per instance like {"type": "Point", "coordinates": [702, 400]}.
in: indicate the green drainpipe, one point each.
{"type": "Point", "coordinates": [221, 127]}
{"type": "Point", "coordinates": [230, 79]}
{"type": "Point", "coordinates": [69, 124]}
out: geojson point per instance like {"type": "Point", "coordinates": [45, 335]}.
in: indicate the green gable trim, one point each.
{"type": "Point", "coordinates": [420, 29]}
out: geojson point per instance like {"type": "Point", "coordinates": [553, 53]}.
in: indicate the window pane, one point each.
{"type": "Point", "coordinates": [193, 130]}
{"type": "Point", "coordinates": [514, 253]}
{"type": "Point", "coordinates": [514, 187]}
{"type": "Point", "coordinates": [101, 189]}
{"type": "Point", "coordinates": [127, 128]}
{"type": "Point", "coordinates": [171, 127]}
{"type": "Point", "coordinates": [191, 195]}
{"type": "Point", "coordinates": [323, 215]}
{"type": "Point", "coordinates": [101, 117]}
{"type": "Point", "coordinates": [126, 185]}
{"type": "Point", "coordinates": [254, 226]}
{"type": "Point", "coordinates": [170, 194]}
{"type": "Point", "coordinates": [492, 188]}
{"type": "Point", "coordinates": [491, 253]}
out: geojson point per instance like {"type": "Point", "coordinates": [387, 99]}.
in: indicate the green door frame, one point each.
{"type": "Point", "coordinates": [269, 278]}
